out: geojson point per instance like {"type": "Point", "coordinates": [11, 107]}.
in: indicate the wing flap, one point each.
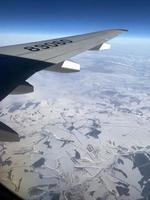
{"type": "Point", "coordinates": [7, 134]}
{"type": "Point", "coordinates": [23, 88]}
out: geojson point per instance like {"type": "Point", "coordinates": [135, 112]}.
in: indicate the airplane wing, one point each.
{"type": "Point", "coordinates": [19, 62]}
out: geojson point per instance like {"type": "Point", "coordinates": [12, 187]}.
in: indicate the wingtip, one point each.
{"type": "Point", "coordinates": [119, 29]}
{"type": "Point", "coordinates": [122, 29]}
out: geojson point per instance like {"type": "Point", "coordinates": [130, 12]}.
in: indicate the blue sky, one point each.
{"type": "Point", "coordinates": [64, 17]}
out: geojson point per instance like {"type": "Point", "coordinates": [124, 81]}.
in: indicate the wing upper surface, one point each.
{"type": "Point", "coordinates": [57, 50]}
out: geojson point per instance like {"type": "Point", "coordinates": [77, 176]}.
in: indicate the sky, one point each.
{"type": "Point", "coordinates": [70, 17]}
